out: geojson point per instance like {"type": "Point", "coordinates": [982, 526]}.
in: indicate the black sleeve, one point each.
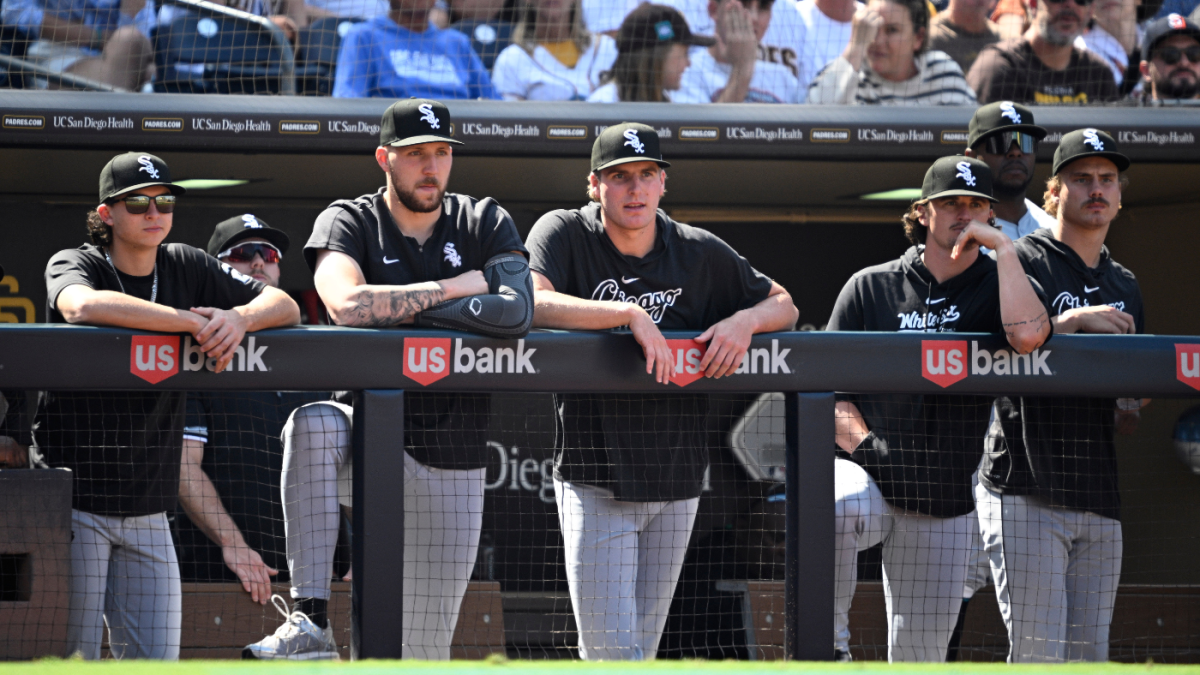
{"type": "Point", "coordinates": [550, 248]}
{"type": "Point", "coordinates": [1139, 316]}
{"type": "Point", "coordinates": [336, 230]}
{"type": "Point", "coordinates": [847, 311]}
{"type": "Point", "coordinates": [497, 233]}
{"type": "Point", "coordinates": [747, 285]}
{"type": "Point", "coordinates": [197, 422]}
{"type": "Point", "coordinates": [221, 286]}
{"type": "Point", "coordinates": [68, 268]}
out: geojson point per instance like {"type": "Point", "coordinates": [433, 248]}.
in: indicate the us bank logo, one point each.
{"type": "Point", "coordinates": [427, 360]}
{"type": "Point", "coordinates": [946, 362]}
{"type": "Point", "coordinates": [1187, 364]}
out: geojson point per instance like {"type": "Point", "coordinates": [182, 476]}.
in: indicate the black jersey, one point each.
{"type": "Point", "coordinates": [1062, 448]}
{"type": "Point", "coordinates": [243, 457]}
{"type": "Point", "coordinates": [922, 449]}
{"type": "Point", "coordinates": [643, 448]}
{"type": "Point", "coordinates": [124, 447]}
{"type": "Point", "coordinates": [444, 431]}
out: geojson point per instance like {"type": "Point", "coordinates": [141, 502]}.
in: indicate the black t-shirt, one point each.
{"type": "Point", "coordinates": [922, 449]}
{"type": "Point", "coordinates": [444, 431]}
{"type": "Point", "coordinates": [1011, 71]}
{"type": "Point", "coordinates": [1062, 448]}
{"type": "Point", "coordinates": [644, 448]}
{"type": "Point", "coordinates": [124, 447]}
{"type": "Point", "coordinates": [243, 457]}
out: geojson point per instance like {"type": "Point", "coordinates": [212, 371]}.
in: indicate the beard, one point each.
{"type": "Point", "coordinates": [1174, 87]}
{"type": "Point", "coordinates": [1053, 35]}
{"type": "Point", "coordinates": [411, 201]}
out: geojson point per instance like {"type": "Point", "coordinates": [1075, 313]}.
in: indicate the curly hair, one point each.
{"type": "Point", "coordinates": [99, 232]}
{"type": "Point", "coordinates": [914, 231]}
{"type": "Point", "coordinates": [1054, 186]}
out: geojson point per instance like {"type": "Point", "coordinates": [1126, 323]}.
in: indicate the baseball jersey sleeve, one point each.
{"type": "Point", "coordinates": [550, 248]}
{"type": "Point", "coordinates": [68, 268]}
{"type": "Point", "coordinates": [750, 286]}
{"type": "Point", "coordinates": [497, 232]}
{"type": "Point", "coordinates": [848, 311]}
{"type": "Point", "coordinates": [196, 419]}
{"type": "Point", "coordinates": [220, 285]}
{"type": "Point", "coordinates": [335, 230]}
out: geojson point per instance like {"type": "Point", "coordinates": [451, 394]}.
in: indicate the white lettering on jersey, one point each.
{"type": "Point", "coordinates": [655, 303]}
{"type": "Point", "coordinates": [915, 322]}
{"type": "Point", "coordinates": [1065, 300]}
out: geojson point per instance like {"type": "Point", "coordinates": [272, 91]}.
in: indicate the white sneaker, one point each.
{"type": "Point", "coordinates": [298, 639]}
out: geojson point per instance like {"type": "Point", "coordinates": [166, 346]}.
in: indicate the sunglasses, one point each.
{"type": "Point", "coordinates": [139, 204]}
{"type": "Point", "coordinates": [998, 144]}
{"type": "Point", "coordinates": [245, 253]}
{"type": "Point", "coordinates": [1171, 55]}
{"type": "Point", "coordinates": [1081, 3]}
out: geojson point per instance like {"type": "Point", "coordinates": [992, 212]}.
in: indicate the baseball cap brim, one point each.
{"type": "Point", "coordinates": [280, 240]}
{"type": "Point", "coordinates": [960, 193]}
{"type": "Point", "coordinates": [417, 140]}
{"type": "Point", "coordinates": [626, 160]}
{"type": "Point", "coordinates": [176, 190]}
{"type": "Point", "coordinates": [1117, 158]}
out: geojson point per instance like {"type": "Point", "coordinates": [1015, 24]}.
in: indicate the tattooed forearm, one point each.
{"type": "Point", "coordinates": [373, 309]}
{"type": "Point", "coordinates": [1040, 320]}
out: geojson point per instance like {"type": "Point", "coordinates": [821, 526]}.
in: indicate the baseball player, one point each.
{"type": "Point", "coordinates": [906, 480]}
{"type": "Point", "coordinates": [628, 469]}
{"type": "Point", "coordinates": [410, 252]}
{"type": "Point", "coordinates": [1004, 136]}
{"type": "Point", "coordinates": [1049, 505]}
{"type": "Point", "coordinates": [233, 527]}
{"type": "Point", "coordinates": [125, 454]}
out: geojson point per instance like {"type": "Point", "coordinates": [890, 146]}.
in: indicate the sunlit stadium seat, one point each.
{"type": "Point", "coordinates": [215, 55]}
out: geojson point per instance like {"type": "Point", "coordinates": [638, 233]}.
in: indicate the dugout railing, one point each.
{"type": "Point", "coordinates": [807, 367]}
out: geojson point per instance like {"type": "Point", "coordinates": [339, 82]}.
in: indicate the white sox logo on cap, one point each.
{"type": "Point", "coordinates": [427, 115]}
{"type": "Point", "coordinates": [1090, 137]}
{"type": "Point", "coordinates": [1176, 22]}
{"type": "Point", "coordinates": [964, 172]}
{"type": "Point", "coordinates": [148, 166]}
{"type": "Point", "coordinates": [632, 140]}
{"type": "Point", "coordinates": [250, 221]}
{"type": "Point", "coordinates": [1007, 110]}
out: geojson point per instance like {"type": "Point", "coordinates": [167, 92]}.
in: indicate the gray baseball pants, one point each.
{"type": "Point", "coordinates": [1056, 572]}
{"type": "Point", "coordinates": [924, 566]}
{"type": "Point", "coordinates": [124, 573]}
{"type": "Point", "coordinates": [443, 516]}
{"type": "Point", "coordinates": [623, 560]}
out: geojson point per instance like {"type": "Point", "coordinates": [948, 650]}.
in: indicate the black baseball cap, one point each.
{"type": "Point", "coordinates": [1161, 29]}
{"type": "Point", "coordinates": [246, 226]}
{"type": "Point", "coordinates": [1001, 116]}
{"type": "Point", "coordinates": [414, 121]}
{"type": "Point", "coordinates": [956, 176]}
{"type": "Point", "coordinates": [651, 25]}
{"type": "Point", "coordinates": [134, 171]}
{"type": "Point", "coordinates": [1087, 143]}
{"type": "Point", "coordinates": [626, 142]}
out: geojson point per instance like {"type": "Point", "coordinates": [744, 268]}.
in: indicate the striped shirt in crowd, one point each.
{"type": "Point", "coordinates": [939, 81]}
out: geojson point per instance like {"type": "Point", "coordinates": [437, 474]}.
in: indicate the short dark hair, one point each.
{"type": "Point", "coordinates": [99, 232]}
{"type": "Point", "coordinates": [918, 11]}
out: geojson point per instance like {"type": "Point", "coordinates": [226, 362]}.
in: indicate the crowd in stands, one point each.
{"type": "Point", "coordinates": [889, 52]}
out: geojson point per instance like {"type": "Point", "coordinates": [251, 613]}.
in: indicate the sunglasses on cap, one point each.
{"type": "Point", "coordinates": [243, 253]}
{"type": "Point", "coordinates": [139, 204]}
{"type": "Point", "coordinates": [1171, 55]}
{"type": "Point", "coordinates": [998, 144]}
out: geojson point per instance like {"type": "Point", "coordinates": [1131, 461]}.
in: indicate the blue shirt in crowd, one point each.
{"type": "Point", "coordinates": [381, 58]}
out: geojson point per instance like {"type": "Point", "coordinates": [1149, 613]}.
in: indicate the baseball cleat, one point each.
{"type": "Point", "coordinates": [298, 639]}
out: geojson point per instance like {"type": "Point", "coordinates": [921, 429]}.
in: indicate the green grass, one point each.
{"type": "Point", "coordinates": [504, 667]}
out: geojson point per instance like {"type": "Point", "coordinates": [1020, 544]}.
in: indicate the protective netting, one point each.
{"type": "Point", "coordinates": [890, 52]}
{"type": "Point", "coordinates": [1085, 516]}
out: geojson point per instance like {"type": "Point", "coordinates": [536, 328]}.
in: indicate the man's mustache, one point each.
{"type": "Point", "coordinates": [1096, 200]}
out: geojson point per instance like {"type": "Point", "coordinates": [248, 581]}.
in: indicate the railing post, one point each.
{"type": "Point", "coordinates": [808, 594]}
{"type": "Point", "coordinates": [377, 549]}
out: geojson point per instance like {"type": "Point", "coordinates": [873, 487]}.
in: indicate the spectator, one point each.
{"type": "Point", "coordinates": [1011, 18]}
{"type": "Point", "coordinates": [401, 55]}
{"type": "Point", "coordinates": [1112, 36]}
{"type": "Point", "coordinates": [729, 71]}
{"type": "Point", "coordinates": [232, 454]}
{"type": "Point", "coordinates": [105, 40]}
{"type": "Point", "coordinates": [1043, 67]}
{"type": "Point", "coordinates": [963, 30]}
{"type": "Point", "coordinates": [553, 57]}
{"type": "Point", "coordinates": [652, 53]}
{"type": "Point", "coordinates": [1172, 70]}
{"type": "Point", "coordinates": [829, 23]}
{"type": "Point", "coordinates": [489, 25]}
{"type": "Point", "coordinates": [1004, 136]}
{"type": "Point", "coordinates": [886, 62]}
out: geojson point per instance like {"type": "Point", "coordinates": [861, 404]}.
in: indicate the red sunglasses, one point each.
{"type": "Point", "coordinates": [245, 253]}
